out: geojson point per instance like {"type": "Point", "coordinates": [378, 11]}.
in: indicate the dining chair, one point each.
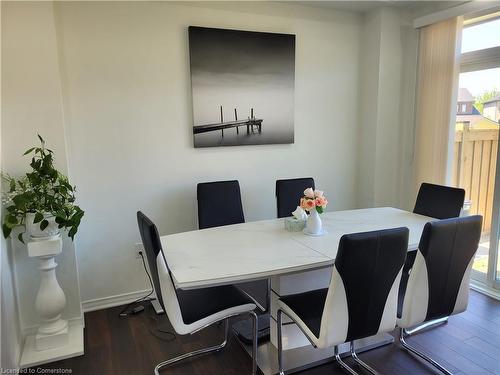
{"type": "Point", "coordinates": [440, 202]}
{"type": "Point", "coordinates": [437, 201]}
{"type": "Point", "coordinates": [289, 192]}
{"type": "Point", "coordinates": [219, 203]}
{"type": "Point", "coordinates": [190, 311]}
{"type": "Point", "coordinates": [439, 281]}
{"type": "Point", "coordinates": [361, 299]}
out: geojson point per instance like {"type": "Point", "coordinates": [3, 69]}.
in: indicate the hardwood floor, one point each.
{"type": "Point", "coordinates": [468, 344]}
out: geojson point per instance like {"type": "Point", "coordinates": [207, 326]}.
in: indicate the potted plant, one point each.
{"type": "Point", "coordinates": [42, 201]}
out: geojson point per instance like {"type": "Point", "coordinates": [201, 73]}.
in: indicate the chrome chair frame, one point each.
{"type": "Point", "coordinates": [364, 365]}
{"type": "Point", "coordinates": [426, 325]}
{"type": "Point", "coordinates": [219, 347]}
{"type": "Point", "coordinates": [418, 353]}
{"type": "Point", "coordinates": [336, 354]}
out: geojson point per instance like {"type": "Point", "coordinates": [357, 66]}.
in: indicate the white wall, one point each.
{"type": "Point", "coordinates": [124, 70]}
{"type": "Point", "coordinates": [10, 335]}
{"type": "Point", "coordinates": [387, 88]}
{"type": "Point", "coordinates": [31, 104]}
{"type": "Point", "coordinates": [107, 84]}
{"type": "Point", "coordinates": [11, 339]}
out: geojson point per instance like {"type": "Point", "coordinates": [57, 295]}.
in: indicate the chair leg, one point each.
{"type": "Point", "coordinates": [360, 362]}
{"type": "Point", "coordinates": [419, 353]}
{"type": "Point", "coordinates": [429, 324]}
{"type": "Point", "coordinates": [196, 353]}
{"type": "Point", "coordinates": [279, 327]}
{"type": "Point", "coordinates": [341, 363]}
{"type": "Point", "coordinates": [255, 329]}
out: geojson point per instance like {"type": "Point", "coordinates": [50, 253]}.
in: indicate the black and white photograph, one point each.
{"type": "Point", "coordinates": [242, 86]}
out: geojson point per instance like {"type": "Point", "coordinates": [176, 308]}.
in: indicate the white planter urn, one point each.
{"type": "Point", "coordinates": [50, 299]}
{"type": "Point", "coordinates": [314, 225]}
{"type": "Point", "coordinates": [34, 231]}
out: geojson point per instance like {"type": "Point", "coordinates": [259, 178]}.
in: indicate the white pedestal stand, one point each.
{"type": "Point", "coordinates": [54, 339]}
{"type": "Point", "coordinates": [50, 299]}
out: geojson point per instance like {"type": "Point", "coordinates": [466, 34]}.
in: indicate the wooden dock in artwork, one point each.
{"type": "Point", "coordinates": [250, 123]}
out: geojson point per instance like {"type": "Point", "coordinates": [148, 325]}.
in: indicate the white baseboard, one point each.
{"type": "Point", "coordinates": [485, 289]}
{"type": "Point", "coordinates": [112, 301]}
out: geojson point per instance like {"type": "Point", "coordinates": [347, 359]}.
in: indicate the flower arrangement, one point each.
{"type": "Point", "coordinates": [313, 199]}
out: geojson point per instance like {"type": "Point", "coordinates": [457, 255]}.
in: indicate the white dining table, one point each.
{"type": "Point", "coordinates": [293, 261]}
{"type": "Point", "coordinates": [260, 249]}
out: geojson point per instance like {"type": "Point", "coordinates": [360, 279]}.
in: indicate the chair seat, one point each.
{"type": "Point", "coordinates": [308, 306]}
{"type": "Point", "coordinates": [198, 304]}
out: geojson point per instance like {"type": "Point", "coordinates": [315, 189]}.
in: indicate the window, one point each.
{"type": "Point", "coordinates": [481, 36]}
{"type": "Point", "coordinates": [476, 143]}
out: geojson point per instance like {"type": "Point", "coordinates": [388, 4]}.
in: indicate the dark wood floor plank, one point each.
{"type": "Point", "coordinates": [468, 344]}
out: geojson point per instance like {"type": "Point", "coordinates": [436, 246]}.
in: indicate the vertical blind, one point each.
{"type": "Point", "coordinates": [438, 69]}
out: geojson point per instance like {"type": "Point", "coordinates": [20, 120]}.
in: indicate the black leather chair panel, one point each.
{"type": "Point", "coordinates": [199, 303]}
{"type": "Point", "coordinates": [368, 264]}
{"type": "Point", "coordinates": [289, 192]}
{"type": "Point", "coordinates": [448, 247]}
{"type": "Point", "coordinates": [152, 247]}
{"type": "Point", "coordinates": [440, 202]}
{"type": "Point", "coordinates": [219, 203]}
{"type": "Point", "coordinates": [195, 304]}
{"type": "Point", "coordinates": [309, 307]}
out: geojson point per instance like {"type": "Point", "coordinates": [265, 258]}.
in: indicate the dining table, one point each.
{"type": "Point", "coordinates": [292, 262]}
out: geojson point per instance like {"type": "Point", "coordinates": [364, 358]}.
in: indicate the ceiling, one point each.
{"type": "Point", "coordinates": [367, 6]}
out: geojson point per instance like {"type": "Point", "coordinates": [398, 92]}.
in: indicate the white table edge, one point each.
{"type": "Point", "coordinates": [250, 277]}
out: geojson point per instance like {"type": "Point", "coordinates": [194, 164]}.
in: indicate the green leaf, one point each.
{"type": "Point", "coordinates": [20, 237]}
{"type": "Point", "coordinates": [6, 230]}
{"type": "Point", "coordinates": [11, 220]}
{"type": "Point", "coordinates": [29, 151]}
{"type": "Point", "coordinates": [319, 209]}
{"type": "Point", "coordinates": [44, 224]}
{"type": "Point", "coordinates": [12, 185]}
{"type": "Point", "coordinates": [38, 217]}
{"type": "Point", "coordinates": [72, 232]}
{"type": "Point", "coordinates": [40, 138]}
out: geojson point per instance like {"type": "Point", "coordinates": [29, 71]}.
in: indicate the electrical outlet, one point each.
{"type": "Point", "coordinates": [138, 247]}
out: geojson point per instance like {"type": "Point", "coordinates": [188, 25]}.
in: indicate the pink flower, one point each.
{"type": "Point", "coordinates": [307, 204]}
{"type": "Point", "coordinates": [303, 203]}
{"type": "Point", "coordinates": [318, 193]}
{"type": "Point", "coordinates": [310, 203]}
{"type": "Point", "coordinates": [309, 193]}
{"type": "Point", "coordinates": [321, 202]}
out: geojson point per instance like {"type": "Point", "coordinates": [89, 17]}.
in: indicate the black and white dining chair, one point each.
{"type": "Point", "coordinates": [361, 300]}
{"type": "Point", "coordinates": [439, 281]}
{"type": "Point", "coordinates": [440, 202]}
{"type": "Point", "coordinates": [289, 192]}
{"type": "Point", "coordinates": [190, 311]}
{"type": "Point", "coordinates": [219, 203]}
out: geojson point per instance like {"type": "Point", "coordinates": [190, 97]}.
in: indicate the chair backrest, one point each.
{"type": "Point", "coordinates": [438, 285]}
{"type": "Point", "coordinates": [362, 297]}
{"type": "Point", "coordinates": [219, 203]}
{"type": "Point", "coordinates": [440, 202]}
{"type": "Point", "coordinates": [160, 273]}
{"type": "Point", "coordinates": [289, 192]}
